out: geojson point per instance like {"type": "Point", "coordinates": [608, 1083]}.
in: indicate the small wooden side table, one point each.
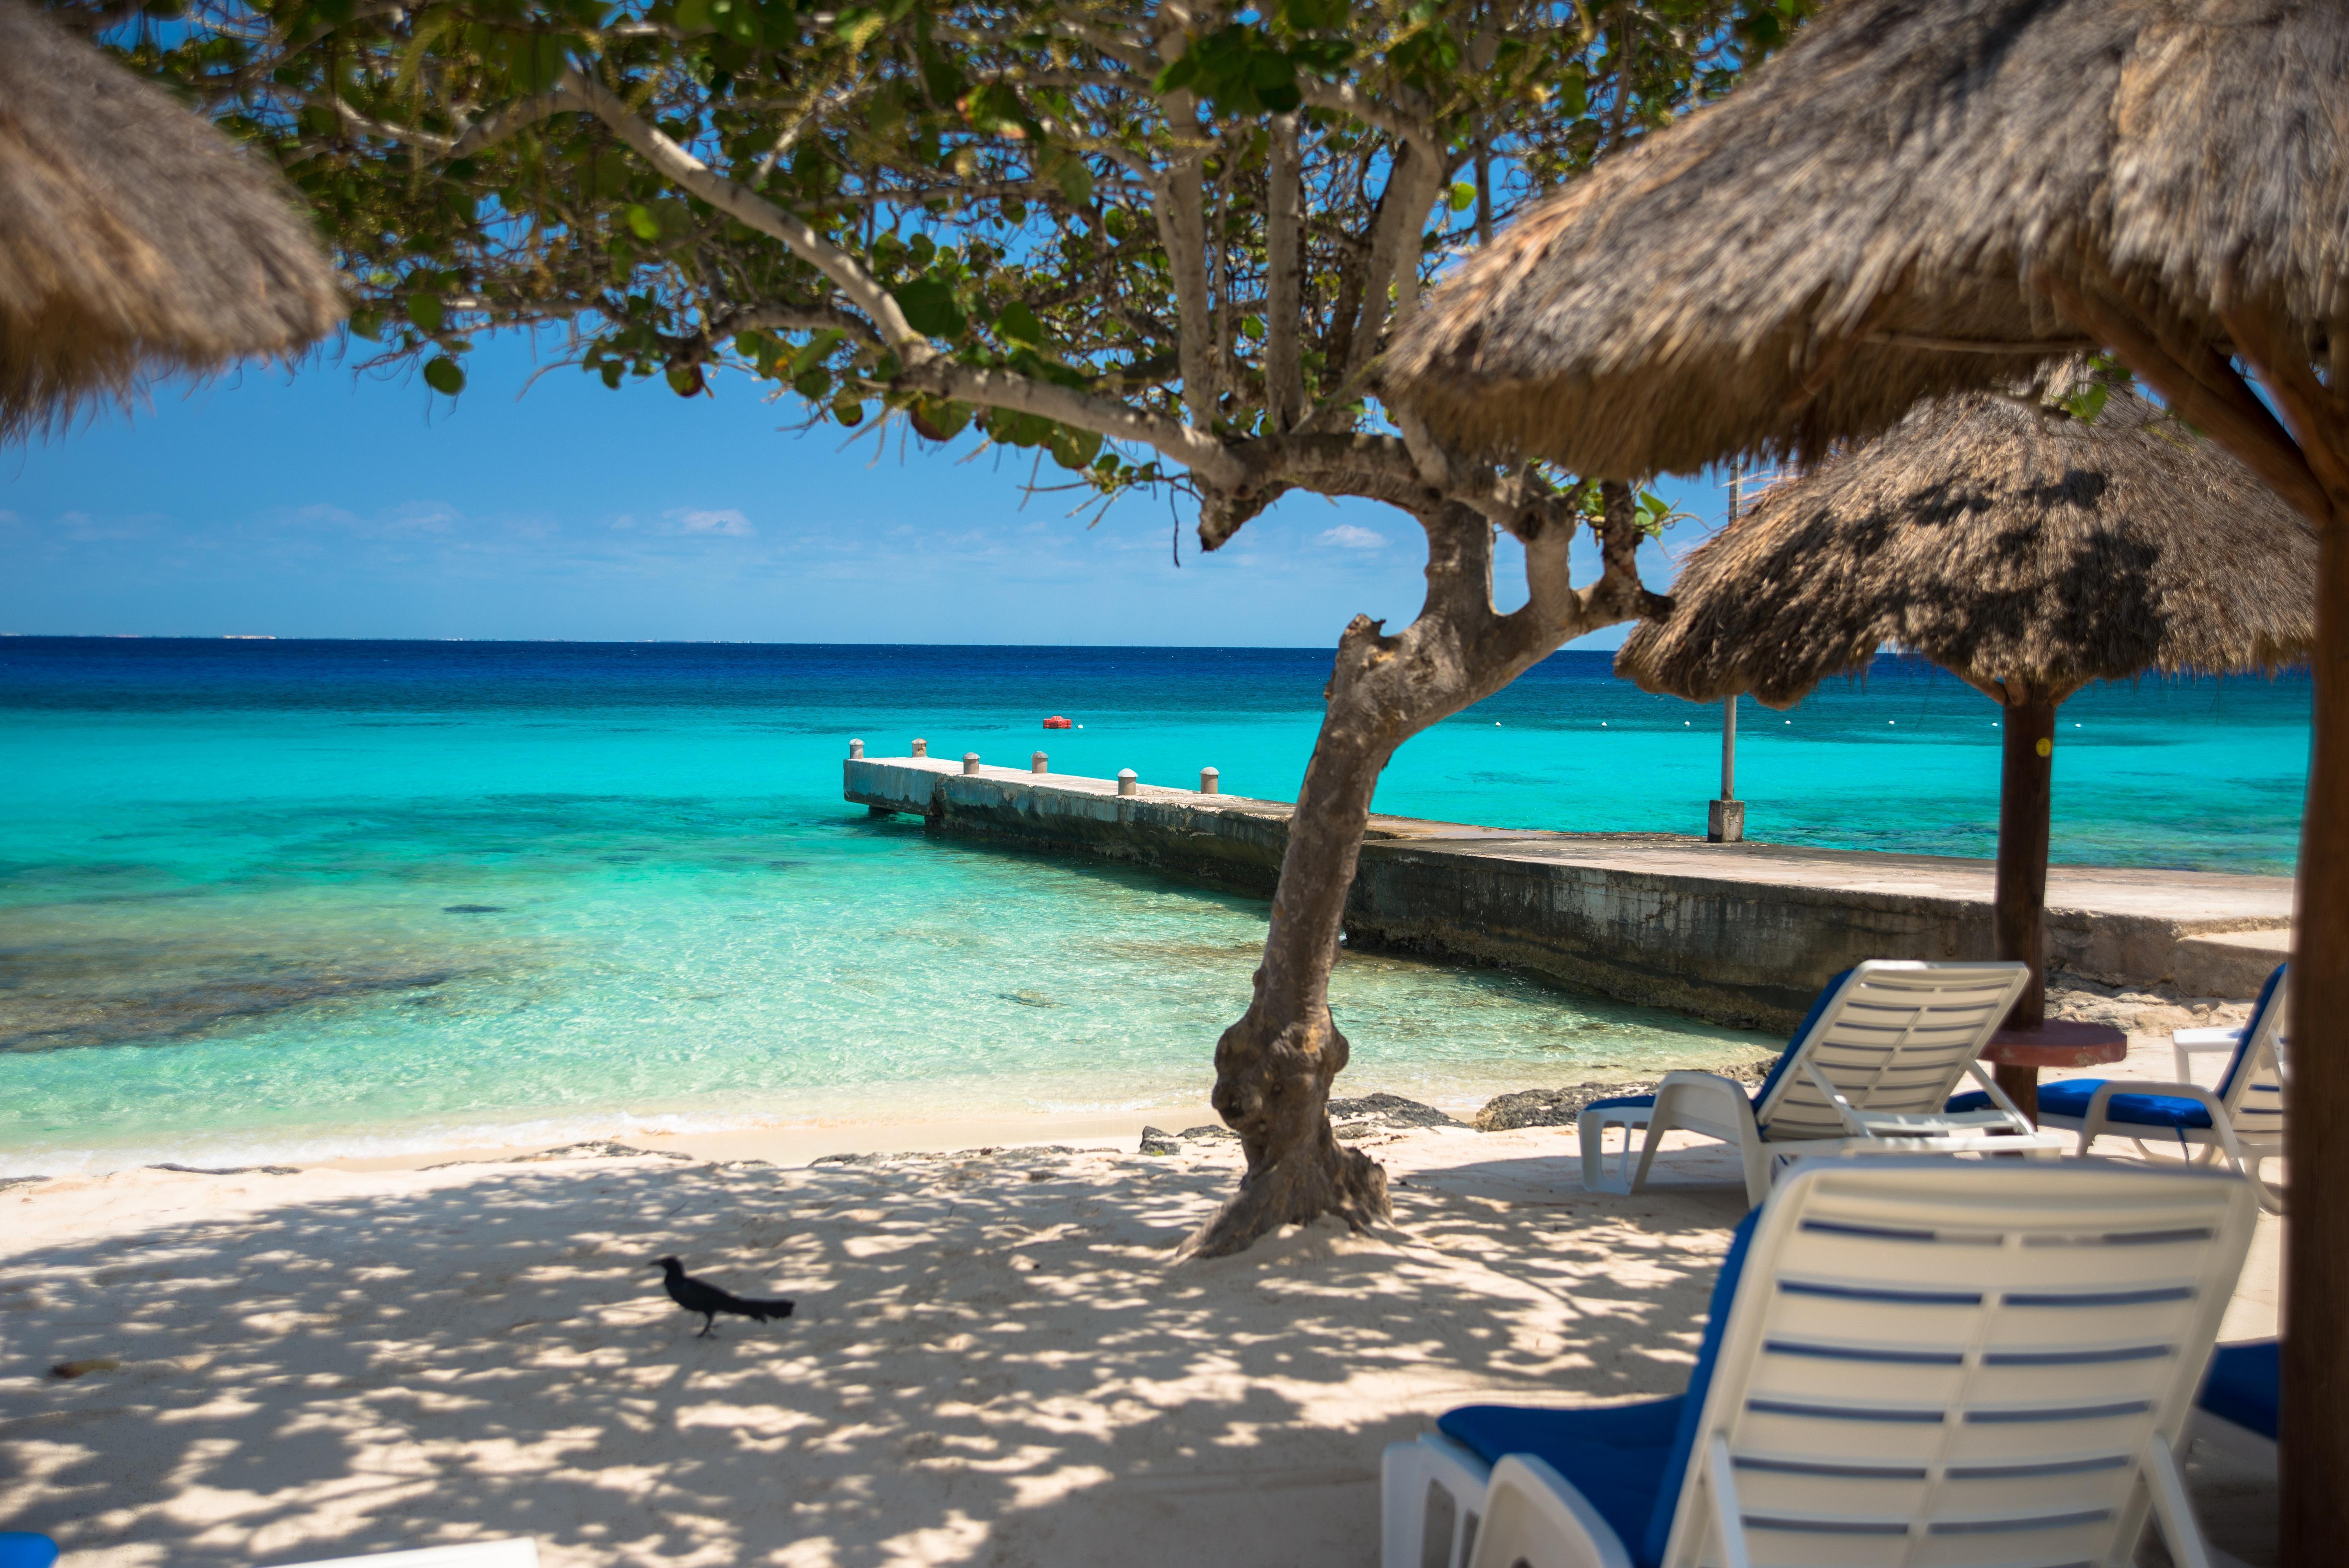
{"type": "Point", "coordinates": [2017, 1054]}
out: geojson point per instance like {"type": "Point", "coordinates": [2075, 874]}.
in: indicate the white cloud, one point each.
{"type": "Point", "coordinates": [1347, 536]}
{"type": "Point", "coordinates": [726, 521]}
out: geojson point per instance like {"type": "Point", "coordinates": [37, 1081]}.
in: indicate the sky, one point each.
{"type": "Point", "coordinates": [320, 503]}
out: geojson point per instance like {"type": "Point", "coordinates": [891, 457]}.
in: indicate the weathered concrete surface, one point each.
{"type": "Point", "coordinates": [1742, 933]}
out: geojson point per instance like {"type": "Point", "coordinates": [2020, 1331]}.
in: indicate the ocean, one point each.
{"type": "Point", "coordinates": [281, 900]}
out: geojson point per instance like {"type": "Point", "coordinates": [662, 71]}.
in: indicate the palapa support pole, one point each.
{"type": "Point", "coordinates": [2314, 1436]}
{"type": "Point", "coordinates": [2019, 907]}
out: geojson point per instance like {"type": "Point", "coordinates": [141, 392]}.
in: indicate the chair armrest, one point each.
{"type": "Point", "coordinates": [2093, 1123]}
{"type": "Point", "coordinates": [1532, 1512]}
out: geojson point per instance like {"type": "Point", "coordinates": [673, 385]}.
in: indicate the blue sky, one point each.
{"type": "Point", "coordinates": [318, 504]}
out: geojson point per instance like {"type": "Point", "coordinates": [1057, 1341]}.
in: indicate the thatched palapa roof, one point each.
{"type": "Point", "coordinates": [1857, 227]}
{"type": "Point", "coordinates": [1999, 543]}
{"type": "Point", "coordinates": [132, 234]}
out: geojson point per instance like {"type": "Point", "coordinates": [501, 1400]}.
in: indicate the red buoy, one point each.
{"type": "Point", "coordinates": [1056, 723]}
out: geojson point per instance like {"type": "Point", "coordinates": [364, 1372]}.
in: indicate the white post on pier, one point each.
{"type": "Point", "coordinates": [970, 761]}
{"type": "Point", "coordinates": [1725, 819]}
{"type": "Point", "coordinates": [1128, 781]}
{"type": "Point", "coordinates": [1036, 764]}
{"type": "Point", "coordinates": [921, 748]}
{"type": "Point", "coordinates": [1210, 781]}
{"type": "Point", "coordinates": [855, 751]}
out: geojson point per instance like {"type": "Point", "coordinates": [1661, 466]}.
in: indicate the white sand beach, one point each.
{"type": "Point", "coordinates": [994, 1359]}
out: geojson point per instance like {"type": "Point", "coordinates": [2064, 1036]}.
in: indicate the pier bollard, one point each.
{"type": "Point", "coordinates": [921, 748]}
{"type": "Point", "coordinates": [1209, 779]}
{"type": "Point", "coordinates": [1724, 822]}
{"type": "Point", "coordinates": [970, 761]}
{"type": "Point", "coordinates": [1036, 764]}
{"type": "Point", "coordinates": [855, 751]}
{"type": "Point", "coordinates": [1128, 781]}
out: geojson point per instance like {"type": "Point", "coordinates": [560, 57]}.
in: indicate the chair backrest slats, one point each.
{"type": "Point", "coordinates": [1895, 1039]}
{"type": "Point", "coordinates": [2253, 1089]}
{"type": "Point", "coordinates": [1924, 1365]}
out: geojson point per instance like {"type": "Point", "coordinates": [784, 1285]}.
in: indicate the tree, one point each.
{"type": "Point", "coordinates": [1161, 244]}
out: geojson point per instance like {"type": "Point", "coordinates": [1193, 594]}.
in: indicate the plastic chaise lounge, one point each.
{"type": "Point", "coordinates": [2241, 1120]}
{"type": "Point", "coordinates": [2238, 1412]}
{"type": "Point", "coordinates": [1871, 1070]}
{"type": "Point", "coordinates": [1909, 1361]}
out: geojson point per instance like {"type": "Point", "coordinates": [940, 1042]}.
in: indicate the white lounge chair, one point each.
{"type": "Point", "coordinates": [1872, 1069]}
{"type": "Point", "coordinates": [2241, 1121]}
{"type": "Point", "coordinates": [1908, 1362]}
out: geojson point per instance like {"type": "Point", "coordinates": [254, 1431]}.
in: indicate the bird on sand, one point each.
{"type": "Point", "coordinates": [696, 1295]}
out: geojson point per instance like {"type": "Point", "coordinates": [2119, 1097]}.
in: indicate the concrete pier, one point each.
{"type": "Point", "coordinates": [1740, 933]}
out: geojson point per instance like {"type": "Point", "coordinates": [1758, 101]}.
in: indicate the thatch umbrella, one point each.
{"type": "Point", "coordinates": [1927, 196]}
{"type": "Point", "coordinates": [133, 235]}
{"type": "Point", "coordinates": [2027, 553]}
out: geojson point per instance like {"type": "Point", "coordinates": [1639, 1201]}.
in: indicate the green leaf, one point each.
{"type": "Point", "coordinates": [812, 352]}
{"type": "Point", "coordinates": [642, 223]}
{"type": "Point", "coordinates": [693, 16]}
{"type": "Point", "coordinates": [735, 19]}
{"type": "Point", "coordinates": [1018, 326]}
{"type": "Point", "coordinates": [1070, 172]}
{"type": "Point", "coordinates": [1251, 326]}
{"type": "Point", "coordinates": [815, 385]}
{"type": "Point", "coordinates": [1464, 196]}
{"type": "Point", "coordinates": [938, 421]}
{"type": "Point", "coordinates": [427, 311]}
{"type": "Point", "coordinates": [848, 410]}
{"type": "Point", "coordinates": [930, 308]}
{"type": "Point", "coordinates": [443, 375]}
{"type": "Point", "coordinates": [368, 324]}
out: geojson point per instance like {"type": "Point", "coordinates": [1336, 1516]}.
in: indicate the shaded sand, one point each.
{"type": "Point", "coordinates": [993, 1362]}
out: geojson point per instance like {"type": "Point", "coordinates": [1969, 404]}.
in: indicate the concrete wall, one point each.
{"type": "Point", "coordinates": [1740, 934]}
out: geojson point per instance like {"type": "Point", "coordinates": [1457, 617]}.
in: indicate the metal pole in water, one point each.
{"type": "Point", "coordinates": [1725, 819]}
{"type": "Point", "coordinates": [1729, 747]}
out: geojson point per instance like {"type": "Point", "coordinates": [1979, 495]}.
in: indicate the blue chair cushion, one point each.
{"type": "Point", "coordinates": [2071, 1098]}
{"type": "Point", "coordinates": [2242, 1386]}
{"type": "Point", "coordinates": [1624, 1102]}
{"type": "Point", "coordinates": [23, 1549]}
{"type": "Point", "coordinates": [2251, 1026]}
{"type": "Point", "coordinates": [1613, 1454]}
{"type": "Point", "coordinates": [1627, 1461]}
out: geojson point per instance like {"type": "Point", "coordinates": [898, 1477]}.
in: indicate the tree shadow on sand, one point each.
{"type": "Point", "coordinates": [992, 1361]}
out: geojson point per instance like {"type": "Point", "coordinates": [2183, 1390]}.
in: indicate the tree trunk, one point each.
{"type": "Point", "coordinates": [2019, 905]}
{"type": "Point", "coordinates": [1274, 1067]}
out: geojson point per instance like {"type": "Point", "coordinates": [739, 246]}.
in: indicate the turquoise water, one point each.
{"type": "Point", "coordinates": [301, 899]}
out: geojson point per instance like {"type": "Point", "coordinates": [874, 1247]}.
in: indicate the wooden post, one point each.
{"type": "Point", "coordinates": [2019, 907]}
{"type": "Point", "coordinates": [2315, 1430]}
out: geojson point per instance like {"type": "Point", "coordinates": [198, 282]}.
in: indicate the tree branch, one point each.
{"type": "Point", "coordinates": [754, 210]}
{"type": "Point", "coordinates": [1284, 308]}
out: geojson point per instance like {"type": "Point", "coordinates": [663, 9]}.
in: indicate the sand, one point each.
{"type": "Point", "coordinates": [994, 1360]}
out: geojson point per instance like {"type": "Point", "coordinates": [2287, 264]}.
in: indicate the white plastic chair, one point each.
{"type": "Point", "coordinates": [1870, 1070]}
{"type": "Point", "coordinates": [2242, 1121]}
{"type": "Point", "coordinates": [1908, 1362]}
{"type": "Point", "coordinates": [512, 1551]}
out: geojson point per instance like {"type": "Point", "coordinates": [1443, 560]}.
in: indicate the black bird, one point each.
{"type": "Point", "coordinates": [694, 1295]}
